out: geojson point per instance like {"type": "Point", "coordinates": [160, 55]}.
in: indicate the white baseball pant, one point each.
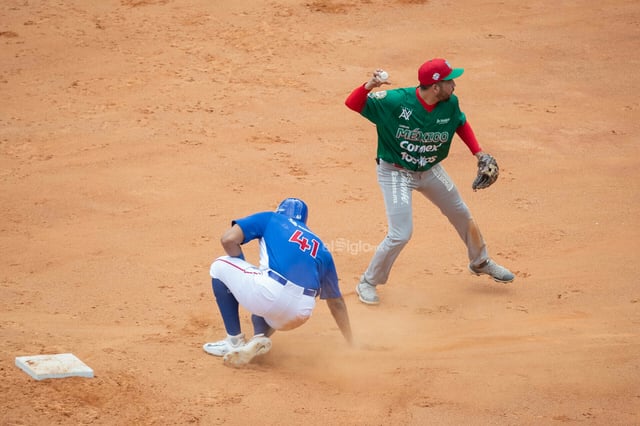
{"type": "Point", "coordinates": [283, 306]}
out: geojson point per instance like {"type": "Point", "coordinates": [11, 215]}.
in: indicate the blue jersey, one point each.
{"type": "Point", "coordinates": [289, 248]}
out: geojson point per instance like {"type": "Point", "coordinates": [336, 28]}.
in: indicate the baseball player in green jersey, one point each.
{"type": "Point", "coordinates": [415, 127]}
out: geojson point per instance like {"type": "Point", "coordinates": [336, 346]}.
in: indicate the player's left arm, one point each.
{"type": "Point", "coordinates": [469, 138]}
{"type": "Point", "coordinates": [488, 170]}
{"type": "Point", "coordinates": [339, 312]}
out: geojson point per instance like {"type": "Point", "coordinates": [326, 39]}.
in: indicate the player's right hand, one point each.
{"type": "Point", "coordinates": [376, 80]}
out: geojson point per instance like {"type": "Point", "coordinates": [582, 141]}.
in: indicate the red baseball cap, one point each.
{"type": "Point", "coordinates": [436, 70]}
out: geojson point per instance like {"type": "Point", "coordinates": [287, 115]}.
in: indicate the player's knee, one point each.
{"type": "Point", "coordinates": [399, 238]}
{"type": "Point", "coordinates": [294, 323]}
{"type": "Point", "coordinates": [216, 267]}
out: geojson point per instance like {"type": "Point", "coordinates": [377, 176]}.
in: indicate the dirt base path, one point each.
{"type": "Point", "coordinates": [133, 131]}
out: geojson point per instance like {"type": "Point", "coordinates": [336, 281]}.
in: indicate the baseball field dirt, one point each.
{"type": "Point", "coordinates": [133, 131]}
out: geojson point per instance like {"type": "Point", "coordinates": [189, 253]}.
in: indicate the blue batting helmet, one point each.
{"type": "Point", "coordinates": [294, 208]}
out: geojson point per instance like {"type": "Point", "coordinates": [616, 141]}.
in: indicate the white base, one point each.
{"type": "Point", "coordinates": [53, 366]}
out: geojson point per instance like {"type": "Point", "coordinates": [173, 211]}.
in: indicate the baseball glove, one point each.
{"type": "Point", "coordinates": [488, 172]}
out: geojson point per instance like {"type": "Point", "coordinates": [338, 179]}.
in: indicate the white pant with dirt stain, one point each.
{"type": "Point", "coordinates": [284, 307]}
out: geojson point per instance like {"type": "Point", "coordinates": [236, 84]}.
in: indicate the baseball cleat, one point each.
{"type": "Point", "coordinates": [495, 271]}
{"type": "Point", "coordinates": [223, 347]}
{"type": "Point", "coordinates": [367, 293]}
{"type": "Point", "coordinates": [258, 345]}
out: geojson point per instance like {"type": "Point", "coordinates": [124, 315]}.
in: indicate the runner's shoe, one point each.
{"type": "Point", "coordinates": [258, 345]}
{"type": "Point", "coordinates": [223, 347]}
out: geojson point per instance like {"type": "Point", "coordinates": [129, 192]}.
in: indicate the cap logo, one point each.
{"type": "Point", "coordinates": [436, 76]}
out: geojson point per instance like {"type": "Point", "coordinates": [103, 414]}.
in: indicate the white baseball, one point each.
{"type": "Point", "coordinates": [383, 75]}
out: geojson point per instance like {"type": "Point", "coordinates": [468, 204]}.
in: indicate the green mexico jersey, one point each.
{"type": "Point", "coordinates": [408, 134]}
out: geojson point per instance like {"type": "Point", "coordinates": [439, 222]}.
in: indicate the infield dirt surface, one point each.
{"type": "Point", "coordinates": [132, 132]}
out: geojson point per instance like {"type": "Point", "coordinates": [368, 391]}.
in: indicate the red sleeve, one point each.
{"type": "Point", "coordinates": [357, 99]}
{"type": "Point", "coordinates": [468, 137]}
